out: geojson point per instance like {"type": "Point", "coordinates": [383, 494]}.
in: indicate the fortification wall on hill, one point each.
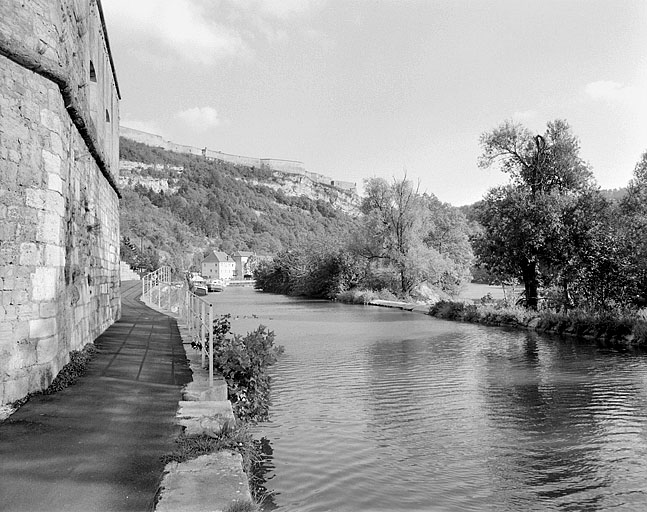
{"type": "Point", "coordinates": [273, 164]}
{"type": "Point", "coordinates": [59, 201]}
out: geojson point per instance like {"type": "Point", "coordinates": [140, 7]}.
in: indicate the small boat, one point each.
{"type": "Point", "coordinates": [200, 289]}
{"type": "Point", "coordinates": [198, 285]}
{"type": "Point", "coordinates": [216, 285]}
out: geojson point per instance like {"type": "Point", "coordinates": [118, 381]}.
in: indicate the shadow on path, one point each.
{"type": "Point", "coordinates": [96, 445]}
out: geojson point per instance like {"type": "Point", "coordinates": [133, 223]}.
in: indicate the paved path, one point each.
{"type": "Point", "coordinates": [96, 445]}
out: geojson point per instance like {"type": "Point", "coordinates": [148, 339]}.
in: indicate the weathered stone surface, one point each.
{"type": "Point", "coordinates": [198, 390]}
{"type": "Point", "coordinates": [210, 483]}
{"type": "Point", "coordinates": [205, 417]}
{"type": "Point", "coordinates": [59, 213]}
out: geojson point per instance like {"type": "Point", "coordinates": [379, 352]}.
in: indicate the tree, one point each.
{"type": "Point", "coordinates": [416, 235]}
{"type": "Point", "coordinates": [394, 217]}
{"type": "Point", "coordinates": [633, 226]}
{"type": "Point", "coordinates": [524, 221]}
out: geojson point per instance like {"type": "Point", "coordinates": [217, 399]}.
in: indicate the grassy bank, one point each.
{"type": "Point", "coordinates": [617, 327]}
{"type": "Point", "coordinates": [356, 296]}
{"type": "Point", "coordinates": [626, 328]}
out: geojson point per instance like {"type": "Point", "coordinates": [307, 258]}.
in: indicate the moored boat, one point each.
{"type": "Point", "coordinates": [216, 285]}
{"type": "Point", "coordinates": [200, 289]}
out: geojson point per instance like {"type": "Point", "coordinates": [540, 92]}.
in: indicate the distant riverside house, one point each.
{"type": "Point", "coordinates": [218, 265]}
{"type": "Point", "coordinates": [241, 258]}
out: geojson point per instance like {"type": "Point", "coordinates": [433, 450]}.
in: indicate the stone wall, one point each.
{"type": "Point", "coordinates": [59, 218]}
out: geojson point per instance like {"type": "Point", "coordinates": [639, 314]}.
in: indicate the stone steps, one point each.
{"type": "Point", "coordinates": [127, 273]}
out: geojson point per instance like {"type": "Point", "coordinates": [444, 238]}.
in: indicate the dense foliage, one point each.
{"type": "Point", "coordinates": [405, 239]}
{"type": "Point", "coordinates": [550, 228]}
{"type": "Point", "coordinates": [219, 206]}
{"type": "Point", "coordinates": [312, 270]}
{"type": "Point", "coordinates": [244, 362]}
{"type": "Point", "coordinates": [553, 230]}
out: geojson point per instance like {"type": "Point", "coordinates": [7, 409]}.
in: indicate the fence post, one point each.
{"type": "Point", "coordinates": [210, 326]}
{"type": "Point", "coordinates": [202, 341]}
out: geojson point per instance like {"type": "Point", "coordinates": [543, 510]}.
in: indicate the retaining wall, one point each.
{"type": "Point", "coordinates": [59, 201]}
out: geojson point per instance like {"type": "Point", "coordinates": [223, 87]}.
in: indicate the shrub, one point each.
{"type": "Point", "coordinates": [448, 310]}
{"type": "Point", "coordinates": [357, 296]}
{"type": "Point", "coordinates": [640, 333]}
{"type": "Point", "coordinates": [244, 361]}
{"type": "Point", "coordinates": [70, 373]}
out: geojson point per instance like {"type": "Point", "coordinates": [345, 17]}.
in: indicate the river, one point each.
{"type": "Point", "coordinates": [377, 409]}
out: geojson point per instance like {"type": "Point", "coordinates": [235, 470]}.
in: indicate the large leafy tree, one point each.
{"type": "Point", "coordinates": [415, 235]}
{"type": "Point", "coordinates": [525, 234]}
{"type": "Point", "coordinates": [633, 226]}
{"type": "Point", "coordinates": [394, 219]}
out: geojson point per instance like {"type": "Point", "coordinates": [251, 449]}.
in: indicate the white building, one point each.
{"type": "Point", "coordinates": [218, 265]}
{"type": "Point", "coordinates": [241, 258]}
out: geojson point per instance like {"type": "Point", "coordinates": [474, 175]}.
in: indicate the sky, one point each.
{"type": "Point", "coordinates": [363, 88]}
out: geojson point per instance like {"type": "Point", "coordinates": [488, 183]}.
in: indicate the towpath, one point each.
{"type": "Point", "coordinates": [96, 445]}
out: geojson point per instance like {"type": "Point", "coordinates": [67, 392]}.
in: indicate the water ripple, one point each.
{"type": "Point", "coordinates": [382, 410]}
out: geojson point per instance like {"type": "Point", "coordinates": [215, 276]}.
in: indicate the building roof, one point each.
{"type": "Point", "coordinates": [216, 257]}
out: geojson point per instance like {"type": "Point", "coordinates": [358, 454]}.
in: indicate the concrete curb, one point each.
{"type": "Point", "coordinates": [209, 483]}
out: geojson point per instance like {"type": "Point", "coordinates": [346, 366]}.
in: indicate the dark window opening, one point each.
{"type": "Point", "coordinates": [93, 73]}
{"type": "Point", "coordinates": [107, 117]}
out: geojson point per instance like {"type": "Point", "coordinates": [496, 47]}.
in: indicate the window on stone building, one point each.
{"type": "Point", "coordinates": [107, 116]}
{"type": "Point", "coordinates": [93, 73]}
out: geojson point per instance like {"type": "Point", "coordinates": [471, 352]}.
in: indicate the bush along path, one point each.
{"type": "Point", "coordinates": [212, 464]}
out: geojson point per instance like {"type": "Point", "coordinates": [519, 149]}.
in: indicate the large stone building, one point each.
{"type": "Point", "coordinates": [218, 265]}
{"type": "Point", "coordinates": [59, 220]}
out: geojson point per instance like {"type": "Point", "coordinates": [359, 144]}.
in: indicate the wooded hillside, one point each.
{"type": "Point", "coordinates": [217, 206]}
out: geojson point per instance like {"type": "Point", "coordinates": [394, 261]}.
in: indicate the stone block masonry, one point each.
{"type": "Point", "coordinates": [59, 202]}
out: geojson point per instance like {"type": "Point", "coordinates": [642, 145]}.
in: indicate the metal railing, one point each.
{"type": "Point", "coordinates": [155, 284]}
{"type": "Point", "coordinates": [196, 313]}
{"type": "Point", "coordinates": [199, 320]}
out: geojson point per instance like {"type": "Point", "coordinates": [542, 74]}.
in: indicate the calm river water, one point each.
{"type": "Point", "coordinates": [382, 410]}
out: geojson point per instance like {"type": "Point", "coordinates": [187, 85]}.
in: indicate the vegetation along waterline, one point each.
{"type": "Point", "coordinates": [580, 256]}
{"type": "Point", "coordinates": [243, 361]}
{"type": "Point", "coordinates": [550, 228]}
{"type": "Point", "coordinates": [618, 328]}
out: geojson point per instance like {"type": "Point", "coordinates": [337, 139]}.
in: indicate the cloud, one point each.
{"type": "Point", "coordinates": [607, 90]}
{"type": "Point", "coordinates": [181, 26]}
{"type": "Point", "coordinates": [284, 9]}
{"type": "Point", "coordinates": [203, 31]}
{"type": "Point", "coordinates": [144, 126]}
{"type": "Point", "coordinates": [200, 118]}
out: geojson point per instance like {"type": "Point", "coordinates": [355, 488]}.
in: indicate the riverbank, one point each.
{"type": "Point", "coordinates": [615, 329]}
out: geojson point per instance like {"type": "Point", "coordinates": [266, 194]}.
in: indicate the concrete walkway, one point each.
{"type": "Point", "coordinates": [96, 446]}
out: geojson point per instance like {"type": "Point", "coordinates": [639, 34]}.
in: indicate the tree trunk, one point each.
{"type": "Point", "coordinates": [530, 283]}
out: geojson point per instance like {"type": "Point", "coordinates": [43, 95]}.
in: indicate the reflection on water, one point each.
{"type": "Point", "coordinates": [377, 409]}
